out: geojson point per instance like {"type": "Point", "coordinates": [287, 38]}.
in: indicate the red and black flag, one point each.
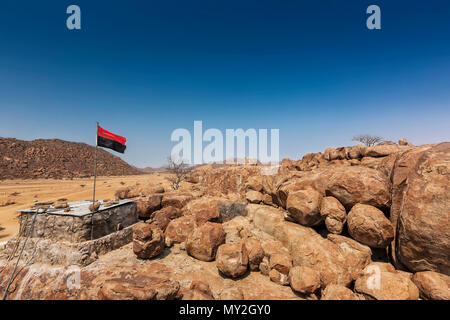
{"type": "Point", "coordinates": [110, 140]}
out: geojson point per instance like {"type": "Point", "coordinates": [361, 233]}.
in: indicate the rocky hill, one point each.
{"type": "Point", "coordinates": [54, 158]}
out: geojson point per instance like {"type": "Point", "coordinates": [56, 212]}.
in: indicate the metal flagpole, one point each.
{"type": "Point", "coordinates": [95, 180]}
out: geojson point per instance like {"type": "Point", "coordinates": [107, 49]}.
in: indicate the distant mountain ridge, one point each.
{"type": "Point", "coordinates": [55, 158]}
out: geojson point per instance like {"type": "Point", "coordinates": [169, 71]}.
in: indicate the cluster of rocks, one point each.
{"type": "Point", "coordinates": [367, 224]}
{"type": "Point", "coordinates": [338, 231]}
{"type": "Point", "coordinates": [54, 158]}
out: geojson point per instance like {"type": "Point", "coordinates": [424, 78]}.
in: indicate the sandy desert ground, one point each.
{"type": "Point", "coordinates": [24, 192]}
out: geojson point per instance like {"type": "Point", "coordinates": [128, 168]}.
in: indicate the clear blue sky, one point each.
{"type": "Point", "coordinates": [144, 68]}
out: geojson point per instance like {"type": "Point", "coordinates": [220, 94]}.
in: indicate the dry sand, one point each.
{"type": "Point", "coordinates": [24, 192]}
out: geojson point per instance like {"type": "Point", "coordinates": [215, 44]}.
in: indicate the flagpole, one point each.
{"type": "Point", "coordinates": [95, 164]}
{"type": "Point", "coordinates": [95, 180]}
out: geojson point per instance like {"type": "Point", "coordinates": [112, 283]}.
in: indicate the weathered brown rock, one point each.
{"type": "Point", "coordinates": [253, 196]}
{"type": "Point", "coordinates": [386, 286]}
{"type": "Point", "coordinates": [356, 255]}
{"type": "Point", "coordinates": [146, 206]}
{"type": "Point", "coordinates": [306, 246]}
{"type": "Point", "coordinates": [204, 209]}
{"type": "Point", "coordinates": [281, 262]}
{"type": "Point", "coordinates": [203, 242]}
{"type": "Point", "coordinates": [337, 292]}
{"type": "Point", "coordinates": [278, 277]}
{"type": "Point", "coordinates": [110, 281]}
{"type": "Point", "coordinates": [255, 252]}
{"type": "Point", "coordinates": [421, 199]}
{"type": "Point", "coordinates": [232, 259]}
{"type": "Point", "coordinates": [352, 185]}
{"type": "Point", "coordinates": [432, 285]}
{"type": "Point", "coordinates": [304, 280]}
{"type": "Point", "coordinates": [381, 150]}
{"type": "Point", "coordinates": [145, 282]}
{"type": "Point", "coordinates": [334, 214]}
{"type": "Point", "coordinates": [303, 206]}
{"type": "Point", "coordinates": [148, 241]}
{"type": "Point", "coordinates": [254, 183]}
{"type": "Point", "coordinates": [178, 229]}
{"type": "Point", "coordinates": [175, 200]}
{"type": "Point", "coordinates": [198, 290]}
{"type": "Point", "coordinates": [369, 226]}
{"type": "Point", "coordinates": [162, 218]}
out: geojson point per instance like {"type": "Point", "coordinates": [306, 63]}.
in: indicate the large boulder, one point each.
{"type": "Point", "coordinates": [232, 259]}
{"type": "Point", "coordinates": [382, 150]}
{"type": "Point", "coordinates": [176, 200]}
{"type": "Point", "coordinates": [303, 206]}
{"type": "Point", "coordinates": [432, 285]}
{"type": "Point", "coordinates": [420, 209]}
{"type": "Point", "coordinates": [310, 249]}
{"type": "Point", "coordinates": [148, 241]}
{"type": "Point", "coordinates": [254, 183]}
{"type": "Point", "coordinates": [255, 252]}
{"type": "Point", "coordinates": [369, 226]}
{"type": "Point", "coordinates": [162, 218]}
{"type": "Point", "coordinates": [146, 206]}
{"type": "Point", "coordinates": [304, 280]}
{"type": "Point", "coordinates": [204, 209]}
{"type": "Point", "coordinates": [178, 229]}
{"type": "Point", "coordinates": [352, 185]}
{"type": "Point", "coordinates": [334, 214]}
{"type": "Point", "coordinates": [386, 286]}
{"type": "Point", "coordinates": [203, 242]}
{"type": "Point", "coordinates": [253, 196]}
{"type": "Point", "coordinates": [357, 256]}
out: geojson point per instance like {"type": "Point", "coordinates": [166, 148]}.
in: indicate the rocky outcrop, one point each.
{"type": "Point", "coordinates": [420, 209]}
{"type": "Point", "coordinates": [113, 282]}
{"type": "Point", "coordinates": [54, 158]}
{"type": "Point", "coordinates": [369, 226]}
{"type": "Point", "coordinates": [203, 242]}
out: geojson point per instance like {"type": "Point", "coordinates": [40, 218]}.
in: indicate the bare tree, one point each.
{"type": "Point", "coordinates": [179, 171]}
{"type": "Point", "coordinates": [367, 140]}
